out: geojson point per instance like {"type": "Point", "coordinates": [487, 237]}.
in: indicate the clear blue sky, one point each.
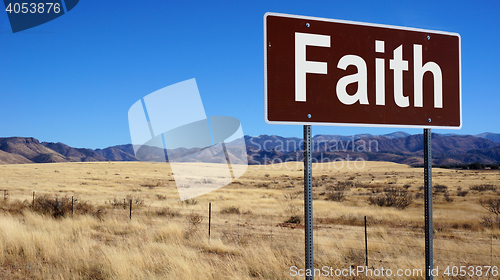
{"type": "Point", "coordinates": [73, 79]}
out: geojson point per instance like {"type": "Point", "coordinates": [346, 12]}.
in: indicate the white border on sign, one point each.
{"type": "Point", "coordinates": [364, 24]}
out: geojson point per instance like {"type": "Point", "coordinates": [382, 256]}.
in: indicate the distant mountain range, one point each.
{"type": "Point", "coordinates": [495, 137]}
{"type": "Point", "coordinates": [400, 147]}
{"type": "Point", "coordinates": [396, 147]}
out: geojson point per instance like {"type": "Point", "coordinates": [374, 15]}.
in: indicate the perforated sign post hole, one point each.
{"type": "Point", "coordinates": [332, 72]}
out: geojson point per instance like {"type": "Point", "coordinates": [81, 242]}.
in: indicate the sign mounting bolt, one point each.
{"type": "Point", "coordinates": [429, 119]}
{"type": "Point", "coordinates": [307, 24]}
{"type": "Point", "coordinates": [308, 116]}
{"type": "Point", "coordinates": [428, 37]}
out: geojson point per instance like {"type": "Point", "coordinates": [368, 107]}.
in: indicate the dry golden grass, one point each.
{"type": "Point", "coordinates": [167, 239]}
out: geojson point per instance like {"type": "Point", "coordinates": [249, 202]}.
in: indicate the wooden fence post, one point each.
{"type": "Point", "coordinates": [131, 209]}
{"type": "Point", "coordinates": [209, 218]}
{"type": "Point", "coordinates": [271, 230]}
{"type": "Point", "coordinates": [366, 245]}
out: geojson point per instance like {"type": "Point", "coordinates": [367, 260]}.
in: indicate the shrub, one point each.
{"type": "Point", "coordinates": [354, 257]}
{"type": "Point", "coordinates": [392, 197]}
{"type": "Point", "coordinates": [60, 207]}
{"type": "Point", "coordinates": [115, 203]}
{"type": "Point", "coordinates": [161, 196]}
{"type": "Point", "coordinates": [447, 197]}
{"type": "Point", "coordinates": [492, 205]}
{"type": "Point", "coordinates": [194, 220]}
{"type": "Point", "coordinates": [137, 201]}
{"type": "Point", "coordinates": [290, 206]}
{"type": "Point", "coordinates": [338, 196]}
{"type": "Point", "coordinates": [168, 212]}
{"type": "Point", "coordinates": [483, 187]}
{"type": "Point", "coordinates": [82, 207]}
{"type": "Point", "coordinates": [440, 188]}
{"type": "Point", "coordinates": [490, 222]}
{"type": "Point", "coordinates": [342, 186]}
{"type": "Point", "coordinates": [475, 166]}
{"type": "Point", "coordinates": [14, 206]}
{"type": "Point", "coordinates": [125, 203]}
{"type": "Point", "coordinates": [295, 219]}
{"type": "Point", "coordinates": [345, 185]}
{"type": "Point", "coordinates": [462, 193]}
{"type": "Point", "coordinates": [190, 201]}
{"type": "Point", "coordinates": [350, 220]}
{"type": "Point", "coordinates": [264, 185]}
{"type": "Point", "coordinates": [230, 210]}
{"type": "Point", "coordinates": [51, 206]}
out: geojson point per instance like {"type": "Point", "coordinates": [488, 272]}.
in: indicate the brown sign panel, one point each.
{"type": "Point", "coordinates": [331, 72]}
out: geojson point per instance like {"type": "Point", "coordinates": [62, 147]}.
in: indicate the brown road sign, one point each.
{"type": "Point", "coordinates": [331, 72]}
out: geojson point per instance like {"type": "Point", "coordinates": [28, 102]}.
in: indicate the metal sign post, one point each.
{"type": "Point", "coordinates": [428, 203]}
{"type": "Point", "coordinates": [308, 201]}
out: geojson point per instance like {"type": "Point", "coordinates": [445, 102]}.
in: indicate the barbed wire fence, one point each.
{"type": "Point", "coordinates": [372, 243]}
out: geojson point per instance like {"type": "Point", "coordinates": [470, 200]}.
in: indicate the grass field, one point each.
{"type": "Point", "coordinates": [254, 229]}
